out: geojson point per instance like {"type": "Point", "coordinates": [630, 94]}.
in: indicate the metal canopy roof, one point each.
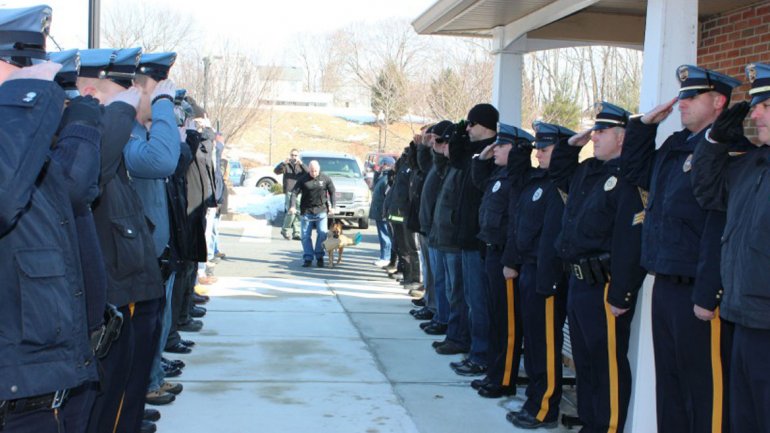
{"type": "Point", "coordinates": [597, 21]}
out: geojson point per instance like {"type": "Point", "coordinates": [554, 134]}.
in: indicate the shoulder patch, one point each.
{"type": "Point", "coordinates": [611, 183]}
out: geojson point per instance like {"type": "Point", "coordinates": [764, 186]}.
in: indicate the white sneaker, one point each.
{"type": "Point", "coordinates": [381, 263]}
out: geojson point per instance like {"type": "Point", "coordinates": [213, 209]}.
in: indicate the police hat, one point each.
{"type": "Point", "coordinates": [156, 65]}
{"type": "Point", "coordinates": [758, 75]}
{"type": "Point", "coordinates": [68, 74]}
{"type": "Point", "coordinates": [116, 65]}
{"type": "Point", "coordinates": [609, 116]}
{"type": "Point", "coordinates": [695, 80]}
{"type": "Point", "coordinates": [507, 134]}
{"type": "Point", "coordinates": [22, 34]}
{"type": "Point", "coordinates": [548, 134]}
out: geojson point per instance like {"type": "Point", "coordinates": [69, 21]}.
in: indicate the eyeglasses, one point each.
{"type": "Point", "coordinates": [440, 141]}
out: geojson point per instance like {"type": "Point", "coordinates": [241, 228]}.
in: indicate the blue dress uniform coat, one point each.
{"type": "Point", "coordinates": [680, 245]}
{"type": "Point", "coordinates": [44, 343]}
{"type": "Point", "coordinates": [602, 222]}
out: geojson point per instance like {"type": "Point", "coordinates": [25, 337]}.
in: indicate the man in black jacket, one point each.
{"type": "Point", "coordinates": [291, 169]}
{"type": "Point", "coordinates": [317, 190]}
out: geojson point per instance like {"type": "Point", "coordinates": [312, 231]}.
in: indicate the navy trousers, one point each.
{"type": "Point", "coordinates": [39, 421]}
{"type": "Point", "coordinates": [750, 380]}
{"type": "Point", "coordinates": [543, 324]}
{"type": "Point", "coordinates": [690, 379]}
{"type": "Point", "coordinates": [505, 331]}
{"type": "Point", "coordinates": [600, 351]}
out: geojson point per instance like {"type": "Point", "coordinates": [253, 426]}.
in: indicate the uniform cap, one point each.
{"type": "Point", "coordinates": [758, 74]}
{"type": "Point", "coordinates": [23, 32]}
{"type": "Point", "coordinates": [548, 134]}
{"type": "Point", "coordinates": [695, 80]}
{"type": "Point", "coordinates": [116, 65]}
{"type": "Point", "coordinates": [507, 134]}
{"type": "Point", "coordinates": [68, 74]}
{"type": "Point", "coordinates": [609, 116]}
{"type": "Point", "coordinates": [156, 65]}
{"type": "Point", "coordinates": [442, 128]}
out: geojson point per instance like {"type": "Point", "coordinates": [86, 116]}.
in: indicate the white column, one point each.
{"type": "Point", "coordinates": [670, 40]}
{"type": "Point", "coordinates": [506, 85]}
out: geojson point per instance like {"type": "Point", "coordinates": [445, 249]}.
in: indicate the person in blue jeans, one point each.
{"type": "Point", "coordinates": [376, 211]}
{"type": "Point", "coordinates": [316, 204]}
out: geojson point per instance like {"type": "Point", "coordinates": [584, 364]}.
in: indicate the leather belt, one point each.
{"type": "Point", "coordinates": [495, 247]}
{"type": "Point", "coordinates": [52, 400]}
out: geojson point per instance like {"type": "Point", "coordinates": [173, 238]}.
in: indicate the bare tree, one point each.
{"type": "Point", "coordinates": [143, 24]}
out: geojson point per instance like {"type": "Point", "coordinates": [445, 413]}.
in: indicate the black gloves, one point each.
{"type": "Point", "coordinates": [83, 110]}
{"type": "Point", "coordinates": [728, 128]}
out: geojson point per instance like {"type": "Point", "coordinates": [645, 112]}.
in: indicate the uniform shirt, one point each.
{"type": "Point", "coordinates": [603, 214]}
{"type": "Point", "coordinates": [740, 185]}
{"type": "Point", "coordinates": [317, 194]}
{"type": "Point", "coordinates": [493, 212]}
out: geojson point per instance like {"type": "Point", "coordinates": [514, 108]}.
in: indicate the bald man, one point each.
{"type": "Point", "coordinates": [316, 204]}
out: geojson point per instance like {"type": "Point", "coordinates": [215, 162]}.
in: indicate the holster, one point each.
{"type": "Point", "coordinates": [102, 338]}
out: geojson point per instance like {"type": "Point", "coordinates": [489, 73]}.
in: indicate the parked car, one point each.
{"type": "Point", "coordinates": [237, 175]}
{"type": "Point", "coordinates": [352, 198]}
{"type": "Point", "coordinates": [263, 177]}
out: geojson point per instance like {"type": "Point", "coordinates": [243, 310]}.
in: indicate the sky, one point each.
{"type": "Point", "coordinates": [263, 26]}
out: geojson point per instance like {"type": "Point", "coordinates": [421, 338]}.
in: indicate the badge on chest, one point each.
{"type": "Point", "coordinates": [611, 183]}
{"type": "Point", "coordinates": [496, 186]}
{"type": "Point", "coordinates": [538, 193]}
{"type": "Point", "coordinates": [687, 166]}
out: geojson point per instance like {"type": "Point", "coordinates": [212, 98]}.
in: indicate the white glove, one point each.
{"type": "Point", "coordinates": [131, 96]}
{"type": "Point", "coordinates": [42, 71]}
{"type": "Point", "coordinates": [165, 87]}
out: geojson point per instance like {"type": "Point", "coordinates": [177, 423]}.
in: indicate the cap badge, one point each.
{"type": "Point", "coordinates": [687, 164]}
{"type": "Point", "coordinates": [683, 73]}
{"type": "Point", "coordinates": [752, 72]}
{"type": "Point", "coordinates": [538, 194]}
{"type": "Point", "coordinates": [496, 186]}
{"type": "Point", "coordinates": [611, 183]}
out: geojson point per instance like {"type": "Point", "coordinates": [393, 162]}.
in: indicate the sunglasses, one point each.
{"type": "Point", "coordinates": [440, 141]}
{"type": "Point", "coordinates": [472, 124]}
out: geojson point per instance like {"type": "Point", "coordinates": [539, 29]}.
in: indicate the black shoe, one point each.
{"type": "Point", "coordinates": [418, 302]}
{"type": "Point", "coordinates": [307, 263]}
{"type": "Point", "coordinates": [435, 329]}
{"type": "Point", "coordinates": [525, 420]}
{"type": "Point", "coordinates": [496, 391]}
{"type": "Point", "coordinates": [390, 268]}
{"type": "Point", "coordinates": [178, 348]}
{"type": "Point", "coordinates": [152, 415]}
{"type": "Point", "coordinates": [177, 363]}
{"type": "Point", "coordinates": [285, 236]}
{"type": "Point", "coordinates": [159, 398]}
{"type": "Point", "coordinates": [470, 368]}
{"type": "Point", "coordinates": [197, 312]}
{"type": "Point", "coordinates": [319, 263]}
{"type": "Point", "coordinates": [191, 325]}
{"type": "Point", "coordinates": [436, 344]}
{"type": "Point", "coordinates": [478, 383]}
{"type": "Point", "coordinates": [424, 325]}
{"type": "Point", "coordinates": [296, 237]}
{"type": "Point", "coordinates": [200, 299]}
{"type": "Point", "coordinates": [450, 348]}
{"type": "Point", "coordinates": [456, 364]}
{"type": "Point", "coordinates": [171, 371]}
{"type": "Point", "coordinates": [148, 427]}
{"type": "Point", "coordinates": [423, 314]}
{"type": "Point", "coordinates": [188, 343]}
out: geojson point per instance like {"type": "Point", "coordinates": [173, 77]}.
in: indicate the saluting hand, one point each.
{"type": "Point", "coordinates": [659, 113]}
{"type": "Point", "coordinates": [617, 312]}
{"type": "Point", "coordinates": [130, 96]}
{"type": "Point", "coordinates": [487, 152]}
{"type": "Point", "coordinates": [580, 139]}
{"type": "Point", "coordinates": [509, 273]}
{"type": "Point", "coordinates": [728, 127]}
{"type": "Point", "coordinates": [703, 314]}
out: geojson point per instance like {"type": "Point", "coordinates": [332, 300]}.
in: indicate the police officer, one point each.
{"type": "Point", "coordinates": [600, 240]}
{"type": "Point", "coordinates": [493, 172]}
{"type": "Point", "coordinates": [688, 359]}
{"type": "Point", "coordinates": [542, 282]}
{"type": "Point", "coordinates": [740, 185]}
{"type": "Point", "coordinates": [47, 357]}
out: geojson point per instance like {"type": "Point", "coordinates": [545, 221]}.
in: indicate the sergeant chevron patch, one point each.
{"type": "Point", "coordinates": [638, 219]}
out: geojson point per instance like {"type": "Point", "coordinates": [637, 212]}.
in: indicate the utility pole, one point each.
{"type": "Point", "coordinates": [94, 21]}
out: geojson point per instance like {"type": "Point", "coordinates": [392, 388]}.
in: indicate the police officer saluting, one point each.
{"type": "Point", "coordinates": [44, 349]}
{"type": "Point", "coordinates": [740, 185]}
{"type": "Point", "coordinates": [536, 213]}
{"type": "Point", "coordinates": [600, 240]}
{"type": "Point", "coordinates": [679, 242]}
{"type": "Point", "coordinates": [492, 172]}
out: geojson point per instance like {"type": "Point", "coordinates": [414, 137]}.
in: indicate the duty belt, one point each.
{"type": "Point", "coordinates": [495, 247]}
{"type": "Point", "coordinates": [51, 401]}
{"type": "Point", "coordinates": [676, 279]}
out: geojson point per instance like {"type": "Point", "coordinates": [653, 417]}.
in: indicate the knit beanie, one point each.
{"type": "Point", "coordinates": [485, 115]}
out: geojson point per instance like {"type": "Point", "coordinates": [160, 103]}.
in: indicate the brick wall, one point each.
{"type": "Point", "coordinates": [730, 41]}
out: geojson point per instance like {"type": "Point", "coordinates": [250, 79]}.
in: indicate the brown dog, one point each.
{"type": "Point", "coordinates": [336, 241]}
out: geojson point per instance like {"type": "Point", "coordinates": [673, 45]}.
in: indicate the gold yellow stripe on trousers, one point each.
{"type": "Point", "coordinates": [511, 333]}
{"type": "Point", "coordinates": [550, 359]}
{"type": "Point", "coordinates": [716, 373]}
{"type": "Point", "coordinates": [612, 357]}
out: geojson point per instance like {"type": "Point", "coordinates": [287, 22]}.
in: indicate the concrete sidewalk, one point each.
{"type": "Point", "coordinates": [282, 355]}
